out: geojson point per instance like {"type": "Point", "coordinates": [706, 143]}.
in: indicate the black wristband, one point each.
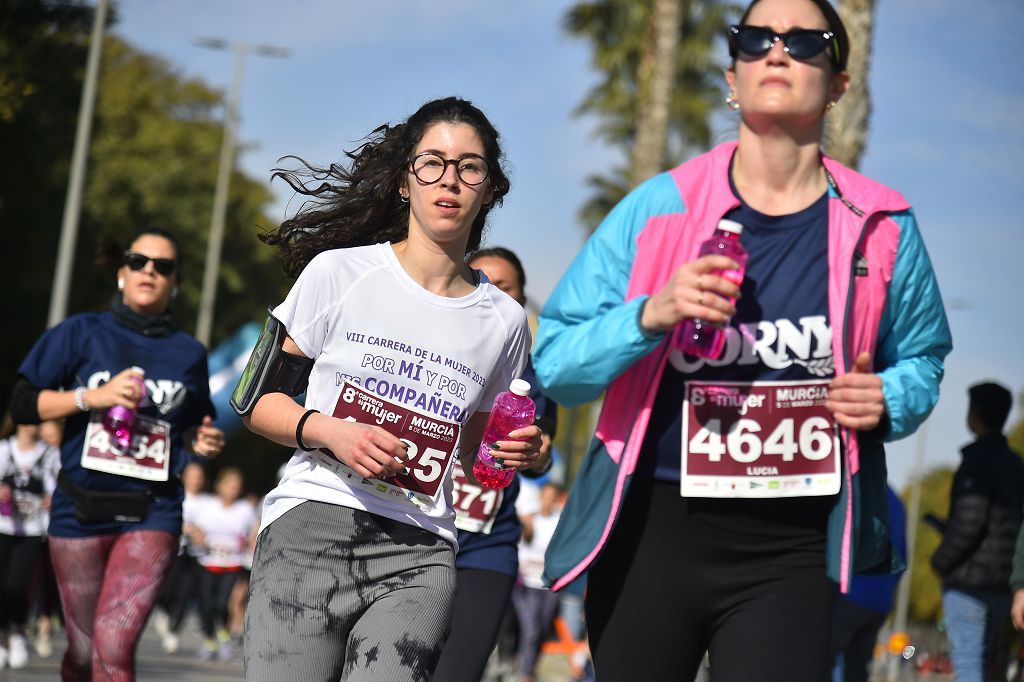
{"type": "Point", "coordinates": [298, 430]}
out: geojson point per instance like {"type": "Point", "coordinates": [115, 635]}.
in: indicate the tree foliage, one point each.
{"type": "Point", "coordinates": [621, 33]}
{"type": "Point", "coordinates": [152, 161]}
{"type": "Point", "coordinates": [848, 123]}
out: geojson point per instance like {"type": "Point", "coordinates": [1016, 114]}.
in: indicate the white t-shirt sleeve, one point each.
{"type": "Point", "coordinates": [512, 361]}
{"type": "Point", "coordinates": [305, 312]}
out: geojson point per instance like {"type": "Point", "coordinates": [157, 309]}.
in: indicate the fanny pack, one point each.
{"type": "Point", "coordinates": [106, 506]}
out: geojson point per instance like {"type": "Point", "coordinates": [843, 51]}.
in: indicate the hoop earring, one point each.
{"type": "Point", "coordinates": [731, 102]}
{"type": "Point", "coordinates": [120, 283]}
{"type": "Point", "coordinates": [405, 199]}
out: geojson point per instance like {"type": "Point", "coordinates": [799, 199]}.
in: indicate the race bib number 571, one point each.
{"type": "Point", "coordinates": [766, 439]}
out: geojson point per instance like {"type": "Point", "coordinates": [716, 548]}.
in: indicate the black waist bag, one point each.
{"type": "Point", "coordinates": [105, 506]}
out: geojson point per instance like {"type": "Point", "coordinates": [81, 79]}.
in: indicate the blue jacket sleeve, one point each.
{"type": "Point", "coordinates": [589, 334]}
{"type": "Point", "coordinates": [914, 335]}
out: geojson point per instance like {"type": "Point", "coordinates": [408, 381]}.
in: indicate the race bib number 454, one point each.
{"type": "Point", "coordinates": [147, 457]}
{"type": "Point", "coordinates": [766, 439]}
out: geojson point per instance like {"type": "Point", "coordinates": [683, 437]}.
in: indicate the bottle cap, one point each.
{"type": "Point", "coordinates": [138, 370]}
{"type": "Point", "coordinates": [730, 226]}
{"type": "Point", "coordinates": [520, 387]}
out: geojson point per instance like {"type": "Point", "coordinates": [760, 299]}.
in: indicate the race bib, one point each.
{"type": "Point", "coordinates": [475, 507]}
{"type": "Point", "coordinates": [147, 457]}
{"type": "Point", "coordinates": [431, 443]}
{"type": "Point", "coordinates": [764, 439]}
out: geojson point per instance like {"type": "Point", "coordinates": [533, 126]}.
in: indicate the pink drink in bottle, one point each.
{"type": "Point", "coordinates": [700, 337]}
{"type": "Point", "coordinates": [512, 410]}
{"type": "Point", "coordinates": [120, 418]}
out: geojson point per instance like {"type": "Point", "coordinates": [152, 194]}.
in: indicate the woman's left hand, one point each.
{"type": "Point", "coordinates": [209, 440]}
{"type": "Point", "coordinates": [522, 452]}
{"type": "Point", "coordinates": [856, 398]}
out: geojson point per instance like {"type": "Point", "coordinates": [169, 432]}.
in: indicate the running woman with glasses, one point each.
{"type": "Point", "coordinates": [404, 349]}
{"type": "Point", "coordinates": [722, 501]}
{"type": "Point", "coordinates": [116, 515]}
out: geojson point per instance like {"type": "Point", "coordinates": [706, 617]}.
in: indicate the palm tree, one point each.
{"type": "Point", "coordinates": [848, 123]}
{"type": "Point", "coordinates": [659, 85]}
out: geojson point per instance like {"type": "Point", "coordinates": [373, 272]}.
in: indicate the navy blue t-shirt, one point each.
{"type": "Point", "coordinates": [87, 350]}
{"type": "Point", "coordinates": [780, 332]}
{"type": "Point", "coordinates": [499, 550]}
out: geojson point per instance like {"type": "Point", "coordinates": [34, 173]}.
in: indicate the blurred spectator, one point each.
{"type": "Point", "coordinates": [975, 557]}
{"type": "Point", "coordinates": [221, 524]}
{"type": "Point", "coordinates": [535, 604]}
{"type": "Point", "coordinates": [182, 586]}
{"type": "Point", "coordinates": [28, 476]}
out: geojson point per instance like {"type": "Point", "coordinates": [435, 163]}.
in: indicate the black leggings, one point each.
{"type": "Point", "coordinates": [18, 556]}
{"type": "Point", "coordinates": [481, 599]}
{"type": "Point", "coordinates": [214, 593]}
{"type": "Point", "coordinates": [180, 589]}
{"type": "Point", "coordinates": [669, 586]}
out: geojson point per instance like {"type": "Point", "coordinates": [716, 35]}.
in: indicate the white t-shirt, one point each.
{"type": "Point", "coordinates": [531, 554]}
{"type": "Point", "coordinates": [366, 322]}
{"type": "Point", "coordinates": [32, 476]}
{"type": "Point", "coordinates": [226, 530]}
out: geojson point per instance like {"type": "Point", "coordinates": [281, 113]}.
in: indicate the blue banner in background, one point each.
{"type": "Point", "coordinates": [226, 363]}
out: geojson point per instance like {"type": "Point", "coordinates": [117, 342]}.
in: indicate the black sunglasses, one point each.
{"type": "Point", "coordinates": [136, 261]}
{"type": "Point", "coordinates": [800, 43]}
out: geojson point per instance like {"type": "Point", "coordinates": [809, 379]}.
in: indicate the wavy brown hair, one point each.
{"type": "Point", "coordinates": [359, 205]}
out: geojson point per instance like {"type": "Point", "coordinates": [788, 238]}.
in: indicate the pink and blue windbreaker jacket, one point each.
{"type": "Point", "coordinates": [589, 341]}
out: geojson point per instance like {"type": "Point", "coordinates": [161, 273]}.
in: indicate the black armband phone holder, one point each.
{"type": "Point", "coordinates": [270, 369]}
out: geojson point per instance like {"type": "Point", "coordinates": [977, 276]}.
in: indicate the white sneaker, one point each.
{"type": "Point", "coordinates": [161, 622]}
{"type": "Point", "coordinates": [44, 645]}
{"type": "Point", "coordinates": [169, 642]}
{"type": "Point", "coordinates": [17, 655]}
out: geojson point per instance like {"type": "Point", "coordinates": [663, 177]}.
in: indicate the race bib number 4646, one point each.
{"type": "Point", "coordinates": [765, 439]}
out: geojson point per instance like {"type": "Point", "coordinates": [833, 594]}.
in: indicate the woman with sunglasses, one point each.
{"type": "Point", "coordinates": [116, 513]}
{"type": "Point", "coordinates": [354, 574]}
{"type": "Point", "coordinates": [722, 500]}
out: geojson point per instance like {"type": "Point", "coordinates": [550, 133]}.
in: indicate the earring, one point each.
{"type": "Point", "coordinates": [405, 199]}
{"type": "Point", "coordinates": [120, 283]}
{"type": "Point", "coordinates": [831, 103]}
{"type": "Point", "coordinates": [174, 292]}
{"type": "Point", "coordinates": [731, 102]}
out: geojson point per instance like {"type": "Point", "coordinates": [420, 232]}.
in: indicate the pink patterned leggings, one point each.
{"type": "Point", "coordinates": [108, 584]}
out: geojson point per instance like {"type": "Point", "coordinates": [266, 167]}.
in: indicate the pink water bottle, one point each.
{"type": "Point", "coordinates": [699, 337]}
{"type": "Point", "coordinates": [120, 418]}
{"type": "Point", "coordinates": [512, 410]}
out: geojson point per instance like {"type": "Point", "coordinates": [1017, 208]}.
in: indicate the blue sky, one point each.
{"type": "Point", "coordinates": [948, 101]}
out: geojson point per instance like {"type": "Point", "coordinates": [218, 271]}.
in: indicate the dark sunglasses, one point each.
{"type": "Point", "coordinates": [136, 261]}
{"type": "Point", "coordinates": [800, 43]}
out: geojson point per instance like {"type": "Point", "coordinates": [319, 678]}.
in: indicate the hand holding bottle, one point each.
{"type": "Point", "coordinates": [511, 440]}
{"type": "Point", "coordinates": [123, 389]}
{"type": "Point", "coordinates": [701, 289]}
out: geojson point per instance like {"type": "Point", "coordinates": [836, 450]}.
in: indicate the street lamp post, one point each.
{"type": "Point", "coordinates": [76, 179]}
{"type": "Point", "coordinates": [208, 297]}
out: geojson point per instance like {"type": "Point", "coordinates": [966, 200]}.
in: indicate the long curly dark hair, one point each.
{"type": "Point", "coordinates": [360, 205]}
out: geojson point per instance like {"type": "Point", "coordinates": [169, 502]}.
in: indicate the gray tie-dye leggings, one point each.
{"type": "Point", "coordinates": [342, 594]}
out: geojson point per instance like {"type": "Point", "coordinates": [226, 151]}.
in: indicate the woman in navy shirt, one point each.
{"type": "Point", "coordinates": [116, 513]}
